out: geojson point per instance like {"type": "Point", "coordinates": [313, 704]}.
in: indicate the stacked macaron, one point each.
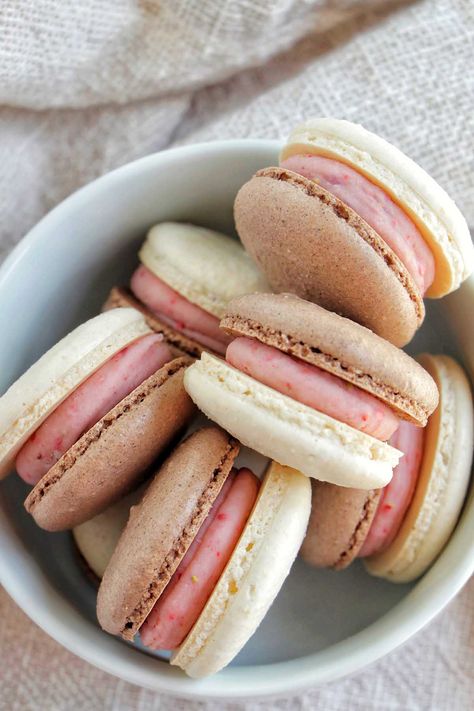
{"type": "Point", "coordinates": [186, 278]}
{"type": "Point", "coordinates": [400, 530]}
{"type": "Point", "coordinates": [199, 578]}
{"type": "Point", "coordinates": [311, 389]}
{"type": "Point", "coordinates": [348, 221]}
{"type": "Point", "coordinates": [87, 419]}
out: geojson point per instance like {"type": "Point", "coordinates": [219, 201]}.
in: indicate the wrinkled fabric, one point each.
{"type": "Point", "coordinates": [86, 87]}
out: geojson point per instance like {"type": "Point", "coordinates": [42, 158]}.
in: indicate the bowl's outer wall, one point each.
{"type": "Point", "coordinates": [59, 275]}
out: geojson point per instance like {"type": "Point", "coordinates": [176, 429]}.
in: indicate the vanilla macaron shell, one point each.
{"type": "Point", "coordinates": [206, 267]}
{"type": "Point", "coordinates": [429, 206]}
{"type": "Point", "coordinates": [253, 576]}
{"type": "Point", "coordinates": [32, 397]}
{"type": "Point", "coordinates": [443, 479]}
{"type": "Point", "coordinates": [287, 431]}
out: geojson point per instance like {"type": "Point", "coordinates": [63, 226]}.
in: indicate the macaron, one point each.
{"type": "Point", "coordinates": [400, 530]}
{"type": "Point", "coordinates": [96, 539]}
{"type": "Point", "coordinates": [186, 278]}
{"type": "Point", "coordinates": [86, 420]}
{"type": "Point", "coordinates": [204, 554]}
{"type": "Point", "coordinates": [311, 389]}
{"type": "Point", "coordinates": [350, 222]}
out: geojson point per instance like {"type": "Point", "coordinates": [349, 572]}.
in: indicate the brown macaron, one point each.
{"type": "Point", "coordinates": [338, 525]}
{"type": "Point", "coordinates": [337, 345]}
{"type": "Point", "coordinates": [295, 386]}
{"type": "Point", "coordinates": [309, 242]}
{"type": "Point", "coordinates": [152, 546]}
{"type": "Point", "coordinates": [109, 459]}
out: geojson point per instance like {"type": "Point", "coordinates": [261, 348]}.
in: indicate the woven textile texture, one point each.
{"type": "Point", "coordinates": [86, 87]}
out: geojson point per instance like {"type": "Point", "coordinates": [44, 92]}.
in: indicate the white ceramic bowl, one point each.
{"type": "Point", "coordinates": [324, 625]}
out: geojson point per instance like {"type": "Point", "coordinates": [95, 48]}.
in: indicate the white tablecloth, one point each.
{"type": "Point", "coordinates": [85, 87]}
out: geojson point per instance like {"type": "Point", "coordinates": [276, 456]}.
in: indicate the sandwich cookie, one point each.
{"type": "Point", "coordinates": [87, 419]}
{"type": "Point", "coordinates": [311, 389]}
{"type": "Point", "coordinates": [186, 278]}
{"type": "Point", "coordinates": [199, 577]}
{"type": "Point", "coordinates": [350, 222]}
{"type": "Point", "coordinates": [400, 530]}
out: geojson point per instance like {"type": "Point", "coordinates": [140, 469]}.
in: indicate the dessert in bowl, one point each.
{"type": "Point", "coordinates": [95, 236]}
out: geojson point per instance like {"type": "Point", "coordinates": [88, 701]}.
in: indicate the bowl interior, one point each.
{"type": "Point", "coordinates": [323, 624]}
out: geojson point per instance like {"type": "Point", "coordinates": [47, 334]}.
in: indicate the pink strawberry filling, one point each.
{"type": "Point", "coordinates": [178, 312]}
{"type": "Point", "coordinates": [396, 496]}
{"type": "Point", "coordinates": [185, 596]}
{"type": "Point", "coordinates": [375, 207]}
{"type": "Point", "coordinates": [89, 403]}
{"type": "Point", "coordinates": [313, 387]}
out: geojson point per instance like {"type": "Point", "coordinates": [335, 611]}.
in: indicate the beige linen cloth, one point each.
{"type": "Point", "coordinates": [87, 86]}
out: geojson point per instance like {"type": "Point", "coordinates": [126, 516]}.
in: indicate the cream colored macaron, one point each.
{"type": "Point", "coordinates": [31, 398]}
{"type": "Point", "coordinates": [429, 206]}
{"type": "Point", "coordinates": [285, 430]}
{"type": "Point", "coordinates": [206, 267]}
{"type": "Point", "coordinates": [443, 480]}
{"type": "Point", "coordinates": [187, 276]}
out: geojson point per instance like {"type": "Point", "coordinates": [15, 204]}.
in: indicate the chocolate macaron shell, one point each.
{"type": "Point", "coordinates": [308, 242]}
{"type": "Point", "coordinates": [338, 346]}
{"type": "Point", "coordinates": [121, 297]}
{"type": "Point", "coordinates": [162, 527]}
{"type": "Point", "coordinates": [338, 525]}
{"type": "Point", "coordinates": [110, 458]}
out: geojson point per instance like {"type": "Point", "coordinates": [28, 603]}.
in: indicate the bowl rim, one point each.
{"type": "Point", "coordinates": [427, 598]}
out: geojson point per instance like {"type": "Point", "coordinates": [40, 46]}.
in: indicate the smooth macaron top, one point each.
{"type": "Point", "coordinates": [310, 243]}
{"type": "Point", "coordinates": [162, 527]}
{"type": "Point", "coordinates": [428, 205]}
{"type": "Point", "coordinates": [58, 372]}
{"type": "Point", "coordinates": [338, 346]}
{"type": "Point", "coordinates": [206, 267]}
{"type": "Point", "coordinates": [112, 456]}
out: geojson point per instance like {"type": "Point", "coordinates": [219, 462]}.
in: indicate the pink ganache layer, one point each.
{"type": "Point", "coordinates": [313, 387]}
{"type": "Point", "coordinates": [86, 405]}
{"type": "Point", "coordinates": [185, 596]}
{"type": "Point", "coordinates": [376, 207]}
{"type": "Point", "coordinates": [397, 495]}
{"type": "Point", "coordinates": [176, 311]}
